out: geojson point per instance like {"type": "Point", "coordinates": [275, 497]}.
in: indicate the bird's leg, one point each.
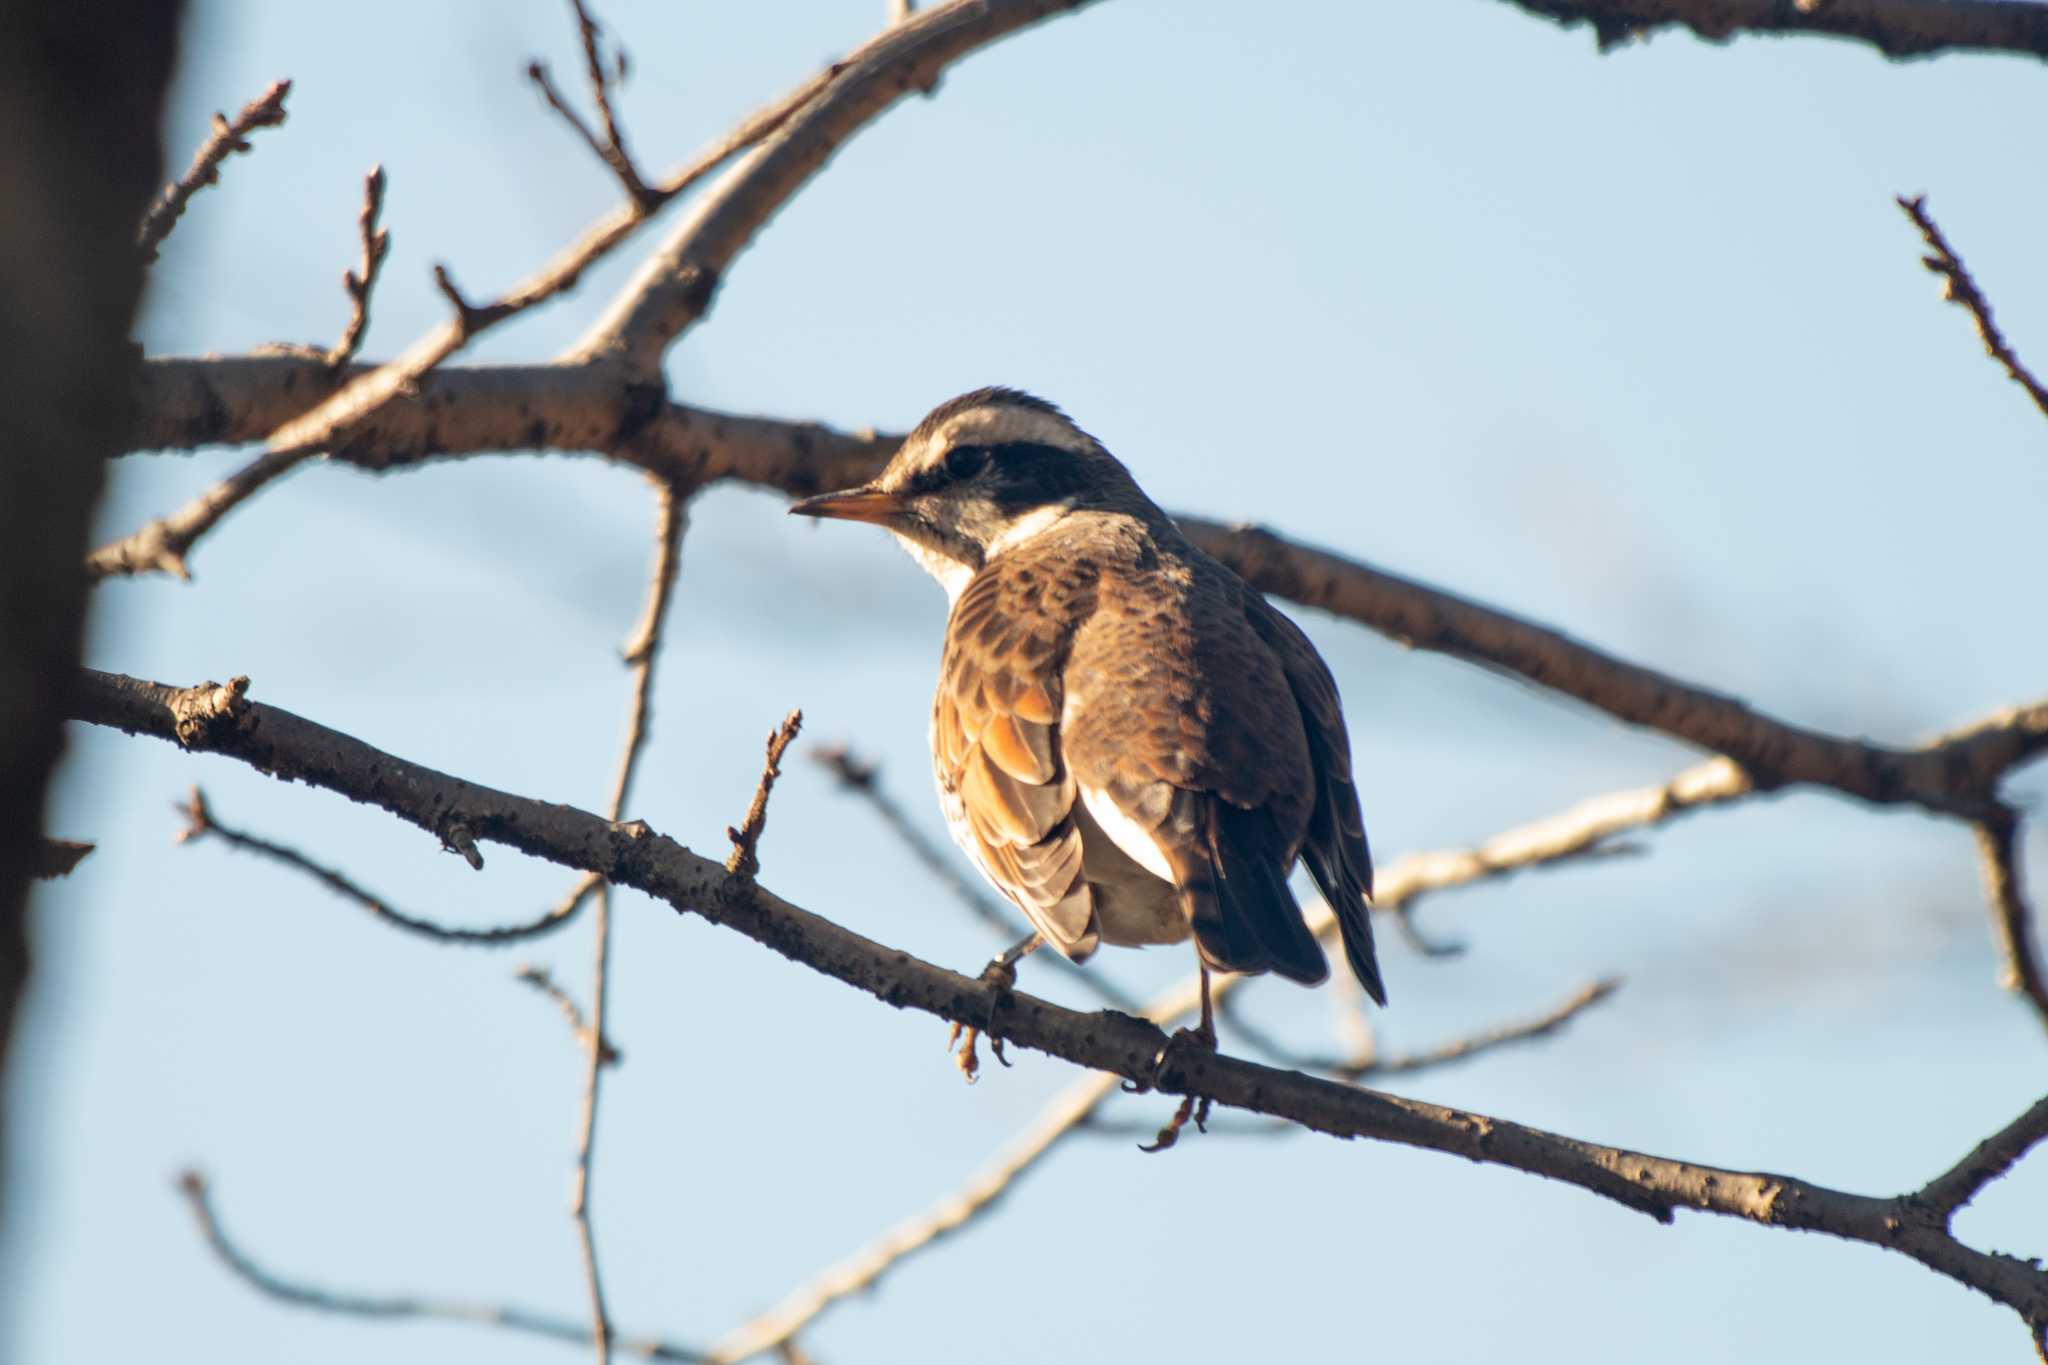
{"type": "Point", "coordinates": [1001, 974]}
{"type": "Point", "coordinates": [1202, 1035]}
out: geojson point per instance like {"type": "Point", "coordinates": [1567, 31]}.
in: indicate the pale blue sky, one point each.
{"type": "Point", "coordinates": [1637, 345]}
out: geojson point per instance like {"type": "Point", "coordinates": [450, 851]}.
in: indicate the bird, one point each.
{"type": "Point", "coordinates": [1130, 742]}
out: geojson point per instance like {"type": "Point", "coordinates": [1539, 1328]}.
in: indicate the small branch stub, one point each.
{"type": "Point", "coordinates": [227, 138]}
{"type": "Point", "coordinates": [745, 860]}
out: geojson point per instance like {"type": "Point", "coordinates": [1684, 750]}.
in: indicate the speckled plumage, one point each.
{"type": "Point", "coordinates": [1131, 744]}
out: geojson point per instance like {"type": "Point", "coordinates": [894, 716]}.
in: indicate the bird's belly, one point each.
{"type": "Point", "coordinates": [1132, 906]}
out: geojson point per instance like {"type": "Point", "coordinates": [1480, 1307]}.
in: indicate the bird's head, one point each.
{"type": "Point", "coordinates": [982, 473]}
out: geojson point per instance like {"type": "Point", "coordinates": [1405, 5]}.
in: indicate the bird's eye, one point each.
{"type": "Point", "coordinates": [964, 462]}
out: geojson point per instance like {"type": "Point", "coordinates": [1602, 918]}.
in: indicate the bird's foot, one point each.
{"type": "Point", "coordinates": [962, 1039]}
{"type": "Point", "coordinates": [1191, 1107]}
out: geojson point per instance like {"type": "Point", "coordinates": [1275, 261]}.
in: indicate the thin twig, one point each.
{"type": "Point", "coordinates": [333, 421]}
{"type": "Point", "coordinates": [611, 149]}
{"type": "Point", "coordinates": [745, 859]}
{"type": "Point", "coordinates": [160, 545]}
{"type": "Point", "coordinates": [544, 982]}
{"type": "Point", "coordinates": [1958, 288]}
{"type": "Point", "coordinates": [376, 243]}
{"type": "Point", "coordinates": [863, 779]}
{"type": "Point", "coordinates": [202, 823]}
{"type": "Point", "coordinates": [227, 138]}
{"type": "Point", "coordinates": [1370, 1065]}
{"type": "Point", "coordinates": [222, 720]}
{"type": "Point", "coordinates": [193, 1186]}
{"type": "Point", "coordinates": [2012, 918]}
{"type": "Point", "coordinates": [671, 520]}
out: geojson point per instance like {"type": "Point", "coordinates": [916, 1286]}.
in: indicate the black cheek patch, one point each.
{"type": "Point", "coordinates": [1029, 474]}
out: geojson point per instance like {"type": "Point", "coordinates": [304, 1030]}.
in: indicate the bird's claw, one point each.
{"type": "Point", "coordinates": [962, 1041]}
{"type": "Point", "coordinates": [1001, 976]}
{"type": "Point", "coordinates": [1191, 1106]}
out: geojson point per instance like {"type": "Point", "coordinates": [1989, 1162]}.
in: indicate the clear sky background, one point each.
{"type": "Point", "coordinates": [1636, 345]}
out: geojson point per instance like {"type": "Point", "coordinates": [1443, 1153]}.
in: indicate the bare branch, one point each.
{"type": "Point", "coordinates": [745, 861]}
{"type": "Point", "coordinates": [197, 1194]}
{"type": "Point", "coordinates": [336, 420]}
{"type": "Point", "coordinates": [1989, 1160]}
{"type": "Point", "coordinates": [2012, 918]}
{"type": "Point", "coordinates": [611, 149]}
{"type": "Point", "coordinates": [160, 545]}
{"type": "Point", "coordinates": [671, 520]}
{"type": "Point", "coordinates": [1897, 28]}
{"type": "Point", "coordinates": [859, 1272]}
{"type": "Point", "coordinates": [1956, 776]}
{"type": "Point", "coordinates": [57, 857]}
{"type": "Point", "coordinates": [632, 855]}
{"type": "Point", "coordinates": [544, 982]}
{"type": "Point", "coordinates": [359, 282]}
{"type": "Point", "coordinates": [1367, 1062]}
{"type": "Point", "coordinates": [863, 779]}
{"type": "Point", "coordinates": [1958, 288]}
{"type": "Point", "coordinates": [675, 288]}
{"type": "Point", "coordinates": [202, 823]}
{"type": "Point", "coordinates": [227, 138]}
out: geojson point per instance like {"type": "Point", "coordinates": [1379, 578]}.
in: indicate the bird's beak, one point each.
{"type": "Point", "coordinates": [853, 504]}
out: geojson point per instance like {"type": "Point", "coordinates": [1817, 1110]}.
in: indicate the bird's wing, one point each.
{"type": "Point", "coordinates": [1007, 795]}
{"type": "Point", "coordinates": [1187, 748]}
{"type": "Point", "coordinates": [1335, 849]}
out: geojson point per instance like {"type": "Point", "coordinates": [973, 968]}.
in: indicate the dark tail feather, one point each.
{"type": "Point", "coordinates": [1340, 861]}
{"type": "Point", "coordinates": [1245, 919]}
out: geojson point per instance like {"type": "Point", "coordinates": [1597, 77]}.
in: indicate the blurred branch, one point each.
{"type": "Point", "coordinates": [202, 823]}
{"type": "Point", "coordinates": [225, 722]}
{"type": "Point", "coordinates": [1998, 842]}
{"type": "Point", "coordinates": [227, 138]}
{"type": "Point", "coordinates": [57, 858]}
{"type": "Point", "coordinates": [1897, 28]}
{"type": "Point", "coordinates": [544, 982]}
{"type": "Point", "coordinates": [1958, 288]}
{"type": "Point", "coordinates": [863, 779]}
{"type": "Point", "coordinates": [671, 520]}
{"type": "Point", "coordinates": [193, 1186]}
{"type": "Point", "coordinates": [359, 282]}
{"type": "Point", "coordinates": [1369, 1063]}
{"type": "Point", "coordinates": [611, 148]}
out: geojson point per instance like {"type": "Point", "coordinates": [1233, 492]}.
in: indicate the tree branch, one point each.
{"type": "Point", "coordinates": [2012, 918]}
{"type": "Point", "coordinates": [544, 983]}
{"type": "Point", "coordinates": [1897, 28]}
{"type": "Point", "coordinates": [672, 516]}
{"type": "Point", "coordinates": [193, 1186]}
{"type": "Point", "coordinates": [227, 138]}
{"type": "Point", "coordinates": [359, 282]}
{"type": "Point", "coordinates": [611, 148]}
{"type": "Point", "coordinates": [201, 823]}
{"type": "Point", "coordinates": [221, 720]}
{"type": "Point", "coordinates": [675, 288]}
{"type": "Point", "coordinates": [745, 859]}
{"type": "Point", "coordinates": [497, 409]}
{"type": "Point", "coordinates": [1958, 288]}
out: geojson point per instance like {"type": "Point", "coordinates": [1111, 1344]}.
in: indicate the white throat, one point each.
{"type": "Point", "coordinates": [1033, 523]}
{"type": "Point", "coordinates": [954, 576]}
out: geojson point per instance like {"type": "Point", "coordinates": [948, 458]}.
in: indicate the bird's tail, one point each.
{"type": "Point", "coordinates": [1244, 917]}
